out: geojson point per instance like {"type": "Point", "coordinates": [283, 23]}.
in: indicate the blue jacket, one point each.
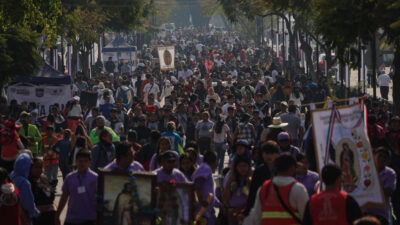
{"type": "Point", "coordinates": [102, 155]}
{"type": "Point", "coordinates": [19, 177]}
{"type": "Point", "coordinates": [176, 140]}
{"type": "Point", "coordinates": [63, 146]}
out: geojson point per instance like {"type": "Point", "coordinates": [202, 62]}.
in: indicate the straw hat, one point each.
{"type": "Point", "coordinates": [277, 123]}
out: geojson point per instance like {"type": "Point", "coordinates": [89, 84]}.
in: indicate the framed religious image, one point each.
{"type": "Point", "coordinates": [126, 199]}
{"type": "Point", "coordinates": [175, 201]}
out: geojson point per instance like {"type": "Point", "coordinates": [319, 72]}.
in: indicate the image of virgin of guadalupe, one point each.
{"type": "Point", "coordinates": [347, 165]}
{"type": "Point", "coordinates": [124, 206]}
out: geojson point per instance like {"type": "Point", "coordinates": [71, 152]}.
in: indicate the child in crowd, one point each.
{"type": "Point", "coordinates": [62, 147]}
{"type": "Point", "coordinates": [79, 189]}
{"type": "Point", "coordinates": [50, 157]}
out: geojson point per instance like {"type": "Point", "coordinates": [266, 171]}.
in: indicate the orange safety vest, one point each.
{"type": "Point", "coordinates": [328, 208]}
{"type": "Point", "coordinates": [272, 210]}
{"type": "Point", "coordinates": [49, 159]}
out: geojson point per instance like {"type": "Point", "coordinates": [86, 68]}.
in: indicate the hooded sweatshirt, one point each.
{"type": "Point", "coordinates": [19, 177]}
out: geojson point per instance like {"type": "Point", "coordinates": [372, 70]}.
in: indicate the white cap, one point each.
{"type": "Point", "coordinates": [76, 98]}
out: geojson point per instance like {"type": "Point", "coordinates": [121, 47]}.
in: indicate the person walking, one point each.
{"type": "Point", "coordinates": [79, 191]}
{"type": "Point", "coordinates": [30, 132]}
{"type": "Point", "coordinates": [331, 206]}
{"type": "Point", "coordinates": [103, 152]}
{"type": "Point", "coordinates": [383, 82]}
{"type": "Point", "coordinates": [221, 136]}
{"type": "Point", "coordinates": [280, 200]}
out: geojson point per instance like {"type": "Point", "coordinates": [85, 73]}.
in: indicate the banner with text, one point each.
{"type": "Point", "coordinates": [340, 137]}
{"type": "Point", "coordinates": [44, 96]}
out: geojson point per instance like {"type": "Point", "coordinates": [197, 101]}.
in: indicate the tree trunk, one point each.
{"type": "Point", "coordinates": [74, 60]}
{"type": "Point", "coordinates": [396, 79]}
{"type": "Point", "coordinates": [85, 61]}
{"type": "Point", "coordinates": [305, 46]}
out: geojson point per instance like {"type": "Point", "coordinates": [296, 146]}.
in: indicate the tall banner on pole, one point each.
{"type": "Point", "coordinates": [167, 57]}
{"type": "Point", "coordinates": [340, 137]}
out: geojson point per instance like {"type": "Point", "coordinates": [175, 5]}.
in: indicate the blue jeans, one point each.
{"type": "Point", "coordinates": [218, 147]}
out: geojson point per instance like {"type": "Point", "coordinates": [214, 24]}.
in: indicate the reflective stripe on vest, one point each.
{"type": "Point", "coordinates": [277, 215]}
{"type": "Point", "coordinates": [272, 210]}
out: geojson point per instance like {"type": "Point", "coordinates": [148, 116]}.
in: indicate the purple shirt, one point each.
{"type": "Point", "coordinates": [176, 175]}
{"type": "Point", "coordinates": [388, 181]}
{"type": "Point", "coordinates": [81, 189]}
{"type": "Point", "coordinates": [204, 181]}
{"type": "Point", "coordinates": [153, 161]}
{"type": "Point", "coordinates": [293, 150]}
{"type": "Point", "coordinates": [309, 180]}
{"type": "Point", "coordinates": [238, 198]}
{"type": "Point", "coordinates": [199, 160]}
{"type": "Point", "coordinates": [135, 166]}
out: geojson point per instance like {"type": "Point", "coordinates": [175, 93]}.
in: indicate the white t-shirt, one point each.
{"type": "Point", "coordinates": [185, 74]}
{"type": "Point", "coordinates": [221, 137]}
{"type": "Point", "coordinates": [204, 128]}
{"type": "Point", "coordinates": [151, 88]}
{"type": "Point", "coordinates": [219, 62]}
{"type": "Point", "coordinates": [384, 80]}
{"type": "Point", "coordinates": [225, 108]}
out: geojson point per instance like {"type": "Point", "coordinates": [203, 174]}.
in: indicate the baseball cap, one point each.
{"type": "Point", "coordinates": [168, 156]}
{"type": "Point", "coordinates": [283, 136]}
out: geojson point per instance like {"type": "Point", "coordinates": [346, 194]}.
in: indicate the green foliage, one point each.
{"type": "Point", "coordinates": [83, 26]}
{"type": "Point", "coordinates": [18, 53]}
{"type": "Point", "coordinates": [22, 23]}
{"type": "Point", "coordinates": [125, 15]}
{"type": "Point", "coordinates": [354, 20]}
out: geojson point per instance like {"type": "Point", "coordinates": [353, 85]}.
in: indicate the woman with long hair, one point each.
{"type": "Point", "coordinates": [236, 188]}
{"type": "Point", "coordinates": [80, 131]}
{"type": "Point", "coordinates": [187, 165]}
{"type": "Point", "coordinates": [81, 143]}
{"type": "Point", "coordinates": [221, 138]}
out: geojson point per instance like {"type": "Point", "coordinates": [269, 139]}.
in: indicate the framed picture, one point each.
{"type": "Point", "coordinates": [176, 203]}
{"type": "Point", "coordinates": [120, 204]}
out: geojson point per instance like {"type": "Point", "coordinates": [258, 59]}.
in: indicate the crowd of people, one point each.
{"type": "Point", "coordinates": [228, 109]}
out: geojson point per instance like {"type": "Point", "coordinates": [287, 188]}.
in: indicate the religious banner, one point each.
{"type": "Point", "coordinates": [340, 137]}
{"type": "Point", "coordinates": [43, 95]}
{"type": "Point", "coordinates": [167, 57]}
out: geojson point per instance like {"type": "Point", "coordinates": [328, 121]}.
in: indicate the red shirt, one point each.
{"type": "Point", "coordinates": [10, 214]}
{"type": "Point", "coordinates": [9, 146]}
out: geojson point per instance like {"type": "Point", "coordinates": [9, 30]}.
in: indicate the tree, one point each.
{"type": "Point", "coordinates": [19, 55]}
{"type": "Point", "coordinates": [356, 21]}
{"type": "Point", "coordinates": [84, 21]}
{"type": "Point", "coordinates": [22, 23]}
{"type": "Point", "coordinates": [83, 27]}
{"type": "Point", "coordinates": [391, 26]}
